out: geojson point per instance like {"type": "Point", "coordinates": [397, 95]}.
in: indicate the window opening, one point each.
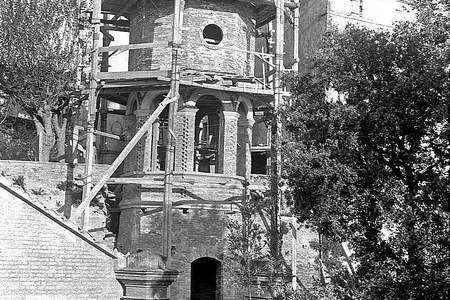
{"type": "Point", "coordinates": [260, 141]}
{"type": "Point", "coordinates": [357, 7]}
{"type": "Point", "coordinates": [259, 162]}
{"type": "Point", "coordinates": [212, 34]}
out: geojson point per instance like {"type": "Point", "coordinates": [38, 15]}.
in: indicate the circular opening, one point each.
{"type": "Point", "coordinates": [212, 34]}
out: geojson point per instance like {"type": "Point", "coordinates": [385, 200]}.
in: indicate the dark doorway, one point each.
{"type": "Point", "coordinates": [205, 279]}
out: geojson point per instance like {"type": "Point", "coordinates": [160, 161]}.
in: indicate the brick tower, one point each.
{"type": "Point", "coordinates": [229, 78]}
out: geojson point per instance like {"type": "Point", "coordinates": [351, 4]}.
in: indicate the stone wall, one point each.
{"type": "Point", "coordinates": [44, 256]}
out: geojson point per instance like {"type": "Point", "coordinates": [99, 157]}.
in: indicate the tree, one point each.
{"type": "Point", "coordinates": [39, 57]}
{"type": "Point", "coordinates": [369, 155]}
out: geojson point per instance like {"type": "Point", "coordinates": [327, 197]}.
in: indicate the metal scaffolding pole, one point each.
{"type": "Point", "coordinates": [276, 128]}
{"type": "Point", "coordinates": [170, 150]}
{"type": "Point", "coordinates": [91, 107]}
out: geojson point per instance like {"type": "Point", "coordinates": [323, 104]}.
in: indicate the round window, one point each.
{"type": "Point", "coordinates": [212, 34]}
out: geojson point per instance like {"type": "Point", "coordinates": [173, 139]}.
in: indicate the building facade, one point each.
{"type": "Point", "coordinates": [318, 16]}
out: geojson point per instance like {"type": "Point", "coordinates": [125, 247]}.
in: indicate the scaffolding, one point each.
{"type": "Point", "coordinates": [110, 85]}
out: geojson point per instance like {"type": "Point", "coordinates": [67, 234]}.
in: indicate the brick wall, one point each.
{"type": "Point", "coordinates": [43, 256]}
{"type": "Point", "coordinates": [47, 176]}
{"type": "Point", "coordinates": [198, 231]}
{"type": "Point", "coordinates": [44, 183]}
{"type": "Point", "coordinates": [201, 229]}
{"type": "Point", "coordinates": [196, 234]}
{"type": "Point", "coordinates": [149, 24]}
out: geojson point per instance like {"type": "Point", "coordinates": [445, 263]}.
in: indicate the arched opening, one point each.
{"type": "Point", "coordinates": [160, 136]}
{"type": "Point", "coordinates": [205, 279]}
{"type": "Point", "coordinates": [212, 34]}
{"type": "Point", "coordinates": [207, 134]}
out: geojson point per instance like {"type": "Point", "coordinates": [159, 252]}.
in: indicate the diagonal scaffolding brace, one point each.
{"type": "Point", "coordinates": [139, 134]}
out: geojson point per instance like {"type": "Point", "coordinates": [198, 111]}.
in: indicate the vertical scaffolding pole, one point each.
{"type": "Point", "coordinates": [296, 68]}
{"type": "Point", "coordinates": [170, 150]}
{"type": "Point", "coordinates": [91, 107]}
{"type": "Point", "coordinates": [296, 35]}
{"type": "Point", "coordinates": [276, 129]}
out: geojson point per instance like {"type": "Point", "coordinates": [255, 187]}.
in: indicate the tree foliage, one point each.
{"type": "Point", "coordinates": [39, 57]}
{"type": "Point", "coordinates": [369, 155]}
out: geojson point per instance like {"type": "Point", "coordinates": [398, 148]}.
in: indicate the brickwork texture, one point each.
{"type": "Point", "coordinates": [154, 25]}
{"type": "Point", "coordinates": [42, 259]}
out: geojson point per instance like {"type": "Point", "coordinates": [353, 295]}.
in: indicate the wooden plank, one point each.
{"type": "Point", "coordinates": [120, 23]}
{"type": "Point", "coordinates": [130, 75]}
{"type": "Point", "coordinates": [194, 204]}
{"type": "Point", "coordinates": [233, 49]}
{"type": "Point", "coordinates": [116, 28]}
{"type": "Point", "coordinates": [176, 183]}
{"type": "Point", "coordinates": [229, 88]}
{"type": "Point", "coordinates": [108, 135]}
{"type": "Point", "coordinates": [127, 47]}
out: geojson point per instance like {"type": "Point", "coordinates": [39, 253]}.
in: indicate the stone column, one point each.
{"type": "Point", "coordinates": [130, 130]}
{"type": "Point", "coordinates": [228, 147]}
{"type": "Point", "coordinates": [143, 148]}
{"type": "Point", "coordinates": [185, 133]}
{"type": "Point", "coordinates": [244, 155]}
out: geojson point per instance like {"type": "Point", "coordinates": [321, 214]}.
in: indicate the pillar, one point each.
{"type": "Point", "coordinates": [143, 148]}
{"type": "Point", "coordinates": [228, 144]}
{"type": "Point", "coordinates": [185, 133]}
{"type": "Point", "coordinates": [130, 130]}
{"type": "Point", "coordinates": [244, 156]}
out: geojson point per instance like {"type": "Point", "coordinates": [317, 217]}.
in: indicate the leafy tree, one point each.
{"type": "Point", "coordinates": [249, 254]}
{"type": "Point", "coordinates": [39, 57]}
{"type": "Point", "coordinates": [369, 155]}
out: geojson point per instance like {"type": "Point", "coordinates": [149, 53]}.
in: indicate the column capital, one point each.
{"type": "Point", "coordinates": [230, 115]}
{"type": "Point", "coordinates": [188, 109]}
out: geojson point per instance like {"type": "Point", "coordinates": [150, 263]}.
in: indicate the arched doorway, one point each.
{"type": "Point", "coordinates": [206, 279]}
